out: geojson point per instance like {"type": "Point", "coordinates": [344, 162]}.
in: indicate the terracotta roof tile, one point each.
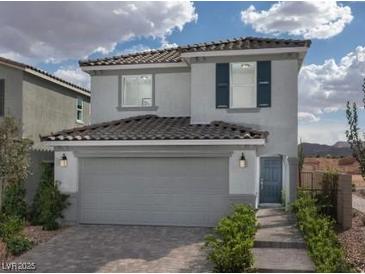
{"type": "Point", "coordinates": [173, 55]}
{"type": "Point", "coordinates": [152, 127]}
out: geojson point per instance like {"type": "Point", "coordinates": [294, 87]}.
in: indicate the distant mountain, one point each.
{"type": "Point", "coordinates": [341, 144]}
{"type": "Point", "coordinates": [338, 149]}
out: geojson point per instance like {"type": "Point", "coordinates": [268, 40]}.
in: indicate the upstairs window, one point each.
{"type": "Point", "coordinates": [2, 97]}
{"type": "Point", "coordinates": [79, 110]}
{"type": "Point", "coordinates": [243, 85]}
{"type": "Point", "coordinates": [137, 90]}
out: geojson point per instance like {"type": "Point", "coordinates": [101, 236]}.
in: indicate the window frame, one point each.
{"type": "Point", "coordinates": [123, 90]}
{"type": "Point", "coordinates": [81, 110]}
{"type": "Point", "coordinates": [231, 86]}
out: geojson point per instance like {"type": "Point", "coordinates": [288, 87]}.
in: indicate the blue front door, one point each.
{"type": "Point", "coordinates": [270, 180]}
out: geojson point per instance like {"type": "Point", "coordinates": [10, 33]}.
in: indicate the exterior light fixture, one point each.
{"type": "Point", "coordinates": [243, 162]}
{"type": "Point", "coordinates": [63, 161]}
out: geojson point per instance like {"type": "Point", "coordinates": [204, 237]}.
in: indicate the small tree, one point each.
{"type": "Point", "coordinates": [353, 135]}
{"type": "Point", "coordinates": [14, 157]}
{"type": "Point", "coordinates": [300, 161]}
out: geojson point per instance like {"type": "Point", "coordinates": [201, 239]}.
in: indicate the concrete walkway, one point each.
{"type": "Point", "coordinates": [279, 245]}
{"type": "Point", "coordinates": [358, 203]}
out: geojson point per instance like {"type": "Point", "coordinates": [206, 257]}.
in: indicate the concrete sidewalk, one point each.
{"type": "Point", "coordinates": [279, 245]}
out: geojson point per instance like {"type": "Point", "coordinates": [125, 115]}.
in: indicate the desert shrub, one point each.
{"type": "Point", "coordinates": [349, 160]}
{"type": "Point", "coordinates": [10, 226]}
{"type": "Point", "coordinates": [17, 244]}
{"type": "Point", "coordinates": [230, 245]}
{"type": "Point", "coordinates": [13, 203]}
{"type": "Point", "coordinates": [11, 232]}
{"type": "Point", "coordinates": [327, 198]}
{"type": "Point", "coordinates": [318, 230]}
{"type": "Point", "coordinates": [49, 202]}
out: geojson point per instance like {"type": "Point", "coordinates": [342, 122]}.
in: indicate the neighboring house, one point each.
{"type": "Point", "coordinates": [41, 103]}
{"type": "Point", "coordinates": [180, 134]}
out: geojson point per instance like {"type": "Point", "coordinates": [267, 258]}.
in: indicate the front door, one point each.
{"type": "Point", "coordinates": [270, 180]}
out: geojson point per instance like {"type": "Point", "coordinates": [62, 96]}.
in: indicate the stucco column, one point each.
{"type": "Point", "coordinates": [293, 178]}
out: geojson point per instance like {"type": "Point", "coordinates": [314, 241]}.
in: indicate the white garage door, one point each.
{"type": "Point", "coordinates": [153, 191]}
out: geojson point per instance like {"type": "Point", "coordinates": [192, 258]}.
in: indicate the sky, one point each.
{"type": "Point", "coordinates": [54, 36]}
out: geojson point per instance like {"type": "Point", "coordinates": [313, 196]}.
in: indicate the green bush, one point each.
{"type": "Point", "coordinates": [13, 203]}
{"type": "Point", "coordinates": [17, 244]}
{"type": "Point", "coordinates": [48, 202]}
{"type": "Point", "coordinates": [230, 245]}
{"type": "Point", "coordinates": [11, 228]}
{"type": "Point", "coordinates": [318, 230]}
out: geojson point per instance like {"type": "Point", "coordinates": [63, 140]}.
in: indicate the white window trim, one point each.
{"type": "Point", "coordinates": [241, 85]}
{"type": "Point", "coordinates": [81, 110]}
{"type": "Point", "coordinates": [123, 90]}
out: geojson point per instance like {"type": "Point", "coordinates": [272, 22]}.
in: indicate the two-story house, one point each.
{"type": "Point", "coordinates": [180, 134]}
{"type": "Point", "coordinates": [41, 103]}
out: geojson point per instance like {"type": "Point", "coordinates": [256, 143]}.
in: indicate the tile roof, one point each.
{"type": "Point", "coordinates": [152, 127]}
{"type": "Point", "coordinates": [25, 66]}
{"type": "Point", "coordinates": [173, 55]}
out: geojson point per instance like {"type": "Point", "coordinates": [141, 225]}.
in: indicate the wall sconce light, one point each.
{"type": "Point", "coordinates": [243, 162]}
{"type": "Point", "coordinates": [63, 161]}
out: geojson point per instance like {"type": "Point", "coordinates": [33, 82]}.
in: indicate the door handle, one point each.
{"type": "Point", "coordinates": [261, 183]}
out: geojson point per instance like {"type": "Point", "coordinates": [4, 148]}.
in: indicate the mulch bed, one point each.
{"type": "Point", "coordinates": [353, 242]}
{"type": "Point", "coordinates": [33, 233]}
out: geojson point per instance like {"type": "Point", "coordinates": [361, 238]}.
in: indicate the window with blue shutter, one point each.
{"type": "Point", "coordinates": [222, 85]}
{"type": "Point", "coordinates": [2, 97]}
{"type": "Point", "coordinates": [263, 84]}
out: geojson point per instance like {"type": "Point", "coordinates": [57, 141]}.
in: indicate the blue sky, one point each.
{"type": "Point", "coordinates": [327, 79]}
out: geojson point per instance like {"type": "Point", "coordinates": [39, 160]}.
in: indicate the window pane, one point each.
{"type": "Point", "coordinates": [137, 90]}
{"type": "Point", "coordinates": [243, 73]}
{"type": "Point", "coordinates": [79, 103]}
{"type": "Point", "coordinates": [79, 115]}
{"type": "Point", "coordinates": [243, 97]}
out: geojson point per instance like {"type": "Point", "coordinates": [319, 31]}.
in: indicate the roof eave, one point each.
{"type": "Point", "coordinates": [239, 142]}
{"type": "Point", "coordinates": [87, 68]}
{"type": "Point", "coordinates": [53, 80]}
{"type": "Point", "coordinates": [217, 53]}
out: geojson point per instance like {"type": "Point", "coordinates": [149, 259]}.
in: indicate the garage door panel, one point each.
{"type": "Point", "coordinates": [160, 191]}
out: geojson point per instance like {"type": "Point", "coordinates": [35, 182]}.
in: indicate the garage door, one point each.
{"type": "Point", "coordinates": [153, 191]}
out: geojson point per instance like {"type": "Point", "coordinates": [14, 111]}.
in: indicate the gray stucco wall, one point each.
{"type": "Point", "coordinates": [280, 120]}
{"type": "Point", "coordinates": [171, 89]}
{"type": "Point", "coordinates": [48, 107]}
{"type": "Point", "coordinates": [13, 91]}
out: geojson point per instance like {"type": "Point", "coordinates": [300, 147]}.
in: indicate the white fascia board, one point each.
{"type": "Point", "coordinates": [245, 142]}
{"type": "Point", "coordinates": [217, 53]}
{"type": "Point", "coordinates": [134, 66]}
{"type": "Point", "coordinates": [48, 78]}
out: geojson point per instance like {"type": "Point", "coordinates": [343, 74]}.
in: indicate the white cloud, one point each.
{"type": "Point", "coordinates": [307, 117]}
{"type": "Point", "coordinates": [327, 87]}
{"type": "Point", "coordinates": [315, 19]}
{"type": "Point", "coordinates": [74, 75]}
{"type": "Point", "coordinates": [323, 132]}
{"type": "Point", "coordinates": [66, 30]}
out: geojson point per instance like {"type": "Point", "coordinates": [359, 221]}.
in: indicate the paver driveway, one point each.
{"type": "Point", "coordinates": [108, 248]}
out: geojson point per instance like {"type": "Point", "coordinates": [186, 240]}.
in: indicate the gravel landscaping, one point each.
{"type": "Point", "coordinates": [33, 233]}
{"type": "Point", "coordinates": [353, 242]}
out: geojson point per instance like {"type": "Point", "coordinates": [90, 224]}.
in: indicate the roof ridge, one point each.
{"type": "Point", "coordinates": [23, 65]}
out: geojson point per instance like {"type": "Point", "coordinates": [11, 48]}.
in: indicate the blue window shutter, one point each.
{"type": "Point", "coordinates": [264, 84]}
{"type": "Point", "coordinates": [222, 85]}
